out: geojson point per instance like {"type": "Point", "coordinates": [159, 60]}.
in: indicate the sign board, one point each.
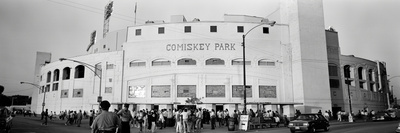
{"type": "Point", "coordinates": [99, 99]}
{"type": "Point", "coordinates": [244, 122]}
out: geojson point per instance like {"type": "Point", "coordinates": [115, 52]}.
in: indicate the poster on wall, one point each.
{"type": "Point", "coordinates": [215, 90]}
{"type": "Point", "coordinates": [77, 93]}
{"type": "Point", "coordinates": [108, 90]}
{"type": "Point", "coordinates": [64, 93]}
{"type": "Point", "coordinates": [186, 91]}
{"type": "Point", "coordinates": [237, 91]}
{"type": "Point", "coordinates": [160, 91]}
{"type": "Point", "coordinates": [267, 91]}
{"type": "Point", "coordinates": [136, 91]}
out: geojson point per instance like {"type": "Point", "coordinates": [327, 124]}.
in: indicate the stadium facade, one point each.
{"type": "Point", "coordinates": [293, 64]}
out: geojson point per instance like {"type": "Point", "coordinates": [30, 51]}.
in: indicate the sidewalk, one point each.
{"type": "Point", "coordinates": [335, 122]}
{"type": "Point", "coordinates": [207, 127]}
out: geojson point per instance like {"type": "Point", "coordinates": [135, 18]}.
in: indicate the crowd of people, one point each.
{"type": "Point", "coordinates": [184, 120]}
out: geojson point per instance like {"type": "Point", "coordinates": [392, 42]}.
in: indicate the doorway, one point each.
{"type": "Point", "coordinates": [335, 110]}
{"type": "Point", "coordinates": [219, 107]}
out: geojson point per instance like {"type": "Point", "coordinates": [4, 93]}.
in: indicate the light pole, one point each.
{"type": "Point", "coordinates": [347, 75]}
{"type": "Point", "coordinates": [387, 94]}
{"type": "Point", "coordinates": [38, 86]}
{"type": "Point", "coordinates": [264, 21]}
{"type": "Point", "coordinates": [92, 68]}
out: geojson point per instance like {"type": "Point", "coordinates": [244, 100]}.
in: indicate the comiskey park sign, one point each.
{"type": "Point", "coordinates": [200, 46]}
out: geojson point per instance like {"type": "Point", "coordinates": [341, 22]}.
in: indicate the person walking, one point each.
{"type": "Point", "coordinates": [106, 122]}
{"type": "Point", "coordinates": [45, 115]}
{"type": "Point", "coordinates": [339, 116]}
{"type": "Point", "coordinates": [79, 118]}
{"type": "Point", "coordinates": [185, 116]}
{"type": "Point", "coordinates": [126, 117]}
{"type": "Point", "coordinates": [152, 119]}
{"type": "Point", "coordinates": [91, 116]}
{"type": "Point", "coordinates": [213, 117]}
{"type": "Point", "coordinates": [140, 119]}
{"type": "Point", "coordinates": [178, 119]}
{"type": "Point", "coordinates": [199, 117]}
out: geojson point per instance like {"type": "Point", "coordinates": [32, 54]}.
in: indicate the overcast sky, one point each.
{"type": "Point", "coordinates": [367, 28]}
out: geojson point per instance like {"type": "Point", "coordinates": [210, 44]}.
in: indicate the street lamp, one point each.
{"type": "Point", "coordinates": [387, 94]}
{"type": "Point", "coordinates": [347, 75]}
{"type": "Point", "coordinates": [264, 21]}
{"type": "Point", "coordinates": [93, 69]}
{"type": "Point", "coordinates": [37, 86]}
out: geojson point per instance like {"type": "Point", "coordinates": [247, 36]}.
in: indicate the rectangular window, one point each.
{"type": "Point", "coordinates": [213, 28]}
{"type": "Point", "coordinates": [55, 87]}
{"type": "Point", "coordinates": [160, 91]}
{"type": "Point", "coordinates": [136, 91]}
{"type": "Point", "coordinates": [237, 91]}
{"type": "Point", "coordinates": [240, 29]}
{"type": "Point", "coordinates": [215, 90]}
{"type": "Point", "coordinates": [138, 32]}
{"type": "Point", "coordinates": [110, 66]}
{"type": "Point", "coordinates": [161, 63]}
{"type": "Point", "coordinates": [334, 83]}
{"type": "Point", "coordinates": [108, 90]}
{"type": "Point", "coordinates": [265, 30]}
{"type": "Point", "coordinates": [333, 71]}
{"type": "Point", "coordinates": [188, 29]}
{"type": "Point", "coordinates": [236, 62]}
{"type": "Point", "coordinates": [371, 87]}
{"type": "Point", "coordinates": [161, 30]}
{"type": "Point", "coordinates": [137, 64]}
{"type": "Point", "coordinates": [47, 88]}
{"type": "Point", "coordinates": [186, 91]}
{"type": "Point", "coordinates": [266, 91]}
{"type": "Point", "coordinates": [361, 85]}
{"type": "Point", "coordinates": [266, 63]}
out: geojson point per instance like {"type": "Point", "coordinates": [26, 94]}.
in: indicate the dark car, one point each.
{"type": "Point", "coordinates": [382, 116]}
{"type": "Point", "coordinates": [309, 122]}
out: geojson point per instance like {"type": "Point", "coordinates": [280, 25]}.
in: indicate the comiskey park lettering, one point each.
{"type": "Point", "coordinates": [200, 46]}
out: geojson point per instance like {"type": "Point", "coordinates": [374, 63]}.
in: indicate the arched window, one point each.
{"type": "Point", "coordinates": [66, 73]}
{"type": "Point", "coordinates": [370, 75]}
{"type": "Point", "coordinates": [161, 62]}
{"type": "Point", "coordinates": [239, 61]}
{"type": "Point", "coordinates": [56, 75]}
{"type": "Point", "coordinates": [48, 77]}
{"type": "Point", "coordinates": [346, 71]}
{"type": "Point", "coordinates": [215, 61]}
{"type": "Point", "coordinates": [360, 73]}
{"type": "Point", "coordinates": [265, 62]}
{"type": "Point", "coordinates": [79, 71]}
{"type": "Point", "coordinates": [333, 70]}
{"type": "Point", "coordinates": [186, 61]}
{"type": "Point", "coordinates": [137, 63]}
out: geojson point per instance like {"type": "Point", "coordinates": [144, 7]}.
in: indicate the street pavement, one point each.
{"type": "Point", "coordinates": [33, 125]}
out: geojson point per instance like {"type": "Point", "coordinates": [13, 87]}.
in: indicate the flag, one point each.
{"type": "Point", "coordinates": [135, 6]}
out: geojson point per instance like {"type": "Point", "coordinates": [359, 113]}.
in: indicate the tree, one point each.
{"type": "Point", "coordinates": [194, 100]}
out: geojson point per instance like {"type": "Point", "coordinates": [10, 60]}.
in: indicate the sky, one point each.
{"type": "Point", "coordinates": [367, 28]}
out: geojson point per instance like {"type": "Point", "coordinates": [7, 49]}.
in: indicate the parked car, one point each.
{"type": "Point", "coordinates": [382, 116]}
{"type": "Point", "coordinates": [398, 129]}
{"type": "Point", "coordinates": [309, 122]}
